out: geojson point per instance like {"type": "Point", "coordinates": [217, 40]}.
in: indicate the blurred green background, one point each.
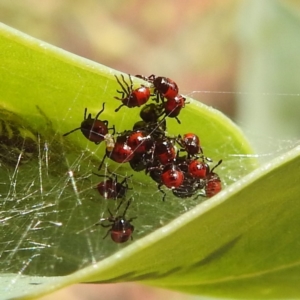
{"type": "Point", "coordinates": [241, 57]}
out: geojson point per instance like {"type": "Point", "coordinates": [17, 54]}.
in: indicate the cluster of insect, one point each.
{"type": "Point", "coordinates": [148, 148]}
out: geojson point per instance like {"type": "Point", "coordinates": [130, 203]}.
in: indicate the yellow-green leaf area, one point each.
{"type": "Point", "coordinates": [49, 201]}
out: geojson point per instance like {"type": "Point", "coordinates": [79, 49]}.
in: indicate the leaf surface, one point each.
{"type": "Point", "coordinates": [49, 204]}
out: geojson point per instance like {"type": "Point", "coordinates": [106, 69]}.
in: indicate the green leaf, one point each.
{"type": "Point", "coordinates": [243, 243]}
{"type": "Point", "coordinates": [49, 205]}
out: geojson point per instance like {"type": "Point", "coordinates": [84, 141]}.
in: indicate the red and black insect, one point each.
{"type": "Point", "coordinates": [121, 228]}
{"type": "Point", "coordinates": [188, 188]}
{"type": "Point", "coordinates": [173, 106]}
{"type": "Point", "coordinates": [111, 188]}
{"type": "Point", "coordinates": [190, 142]}
{"type": "Point", "coordinates": [151, 123]}
{"type": "Point", "coordinates": [164, 151]}
{"type": "Point", "coordinates": [121, 152]}
{"type": "Point", "coordinates": [213, 183]}
{"type": "Point", "coordinates": [93, 129]}
{"type": "Point", "coordinates": [154, 169]}
{"type": "Point", "coordinates": [155, 129]}
{"type": "Point", "coordinates": [190, 184]}
{"type": "Point", "coordinates": [198, 169]}
{"type": "Point", "coordinates": [166, 87]}
{"type": "Point", "coordinates": [139, 162]}
{"type": "Point", "coordinates": [139, 141]}
{"type": "Point", "coordinates": [132, 97]}
{"type": "Point", "coordinates": [150, 113]}
{"type": "Point", "coordinates": [163, 86]}
{"type": "Point", "coordinates": [172, 176]}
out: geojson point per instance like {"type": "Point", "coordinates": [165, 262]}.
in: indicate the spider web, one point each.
{"type": "Point", "coordinates": [50, 206]}
{"type": "Point", "coordinates": [51, 197]}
